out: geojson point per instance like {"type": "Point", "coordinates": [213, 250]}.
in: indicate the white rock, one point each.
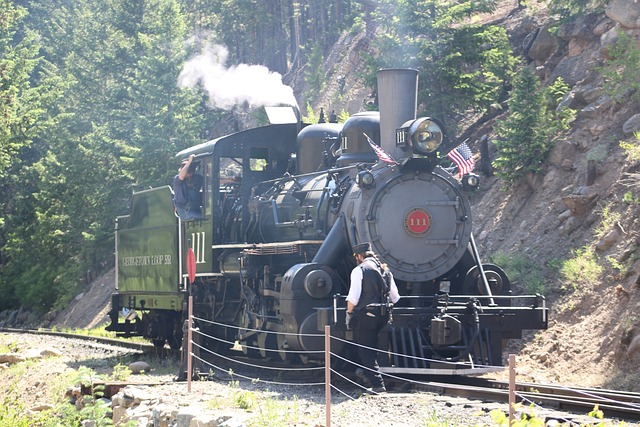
{"type": "Point", "coordinates": [204, 420]}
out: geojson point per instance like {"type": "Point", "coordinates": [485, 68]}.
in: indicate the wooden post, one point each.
{"type": "Point", "coordinates": [189, 343]}
{"type": "Point", "coordinates": [591, 172]}
{"type": "Point", "coordinates": [327, 374]}
{"type": "Point", "coordinates": [512, 387]}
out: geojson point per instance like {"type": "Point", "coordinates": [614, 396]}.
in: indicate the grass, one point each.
{"type": "Point", "coordinates": [521, 270]}
{"type": "Point", "coordinates": [532, 420]}
{"type": "Point", "coordinates": [582, 269]}
{"type": "Point", "coordinates": [275, 413]}
{"type": "Point", "coordinates": [609, 219]}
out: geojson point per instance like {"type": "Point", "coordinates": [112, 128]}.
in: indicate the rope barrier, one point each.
{"type": "Point", "coordinates": [342, 392]}
{"type": "Point", "coordinates": [241, 362]}
{"type": "Point", "coordinates": [232, 343]}
{"type": "Point", "coordinates": [256, 380]}
{"type": "Point", "coordinates": [253, 330]}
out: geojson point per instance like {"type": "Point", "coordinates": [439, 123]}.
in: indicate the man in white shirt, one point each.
{"type": "Point", "coordinates": [371, 283]}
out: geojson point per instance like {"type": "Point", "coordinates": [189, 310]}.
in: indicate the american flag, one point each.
{"type": "Point", "coordinates": [463, 158]}
{"type": "Point", "coordinates": [382, 155]}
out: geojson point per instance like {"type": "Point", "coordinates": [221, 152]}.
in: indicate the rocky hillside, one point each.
{"type": "Point", "coordinates": [585, 202]}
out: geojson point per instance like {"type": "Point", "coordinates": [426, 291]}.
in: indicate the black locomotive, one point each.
{"type": "Point", "coordinates": [282, 206]}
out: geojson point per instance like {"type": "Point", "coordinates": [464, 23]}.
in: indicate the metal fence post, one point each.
{"type": "Point", "coordinates": [327, 374]}
{"type": "Point", "coordinates": [512, 387]}
{"type": "Point", "coordinates": [189, 344]}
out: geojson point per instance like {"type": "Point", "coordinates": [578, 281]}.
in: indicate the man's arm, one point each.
{"type": "Point", "coordinates": [394, 295]}
{"type": "Point", "coordinates": [350, 306]}
{"type": "Point", "coordinates": [183, 172]}
{"type": "Point", "coordinates": [355, 289]}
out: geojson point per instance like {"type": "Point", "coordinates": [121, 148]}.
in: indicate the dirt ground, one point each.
{"type": "Point", "coordinates": [89, 309]}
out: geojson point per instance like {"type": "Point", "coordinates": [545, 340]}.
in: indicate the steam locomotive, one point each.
{"type": "Point", "coordinates": [268, 262]}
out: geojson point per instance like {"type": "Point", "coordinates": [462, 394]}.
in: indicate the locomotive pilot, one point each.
{"type": "Point", "coordinates": [371, 287]}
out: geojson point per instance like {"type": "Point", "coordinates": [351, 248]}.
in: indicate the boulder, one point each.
{"type": "Point", "coordinates": [624, 12]}
{"type": "Point", "coordinates": [579, 28]}
{"type": "Point", "coordinates": [569, 225]}
{"type": "Point", "coordinates": [632, 125]}
{"type": "Point", "coordinates": [578, 204]}
{"type": "Point", "coordinates": [138, 395]}
{"type": "Point", "coordinates": [605, 24]}
{"type": "Point", "coordinates": [543, 46]}
{"type": "Point", "coordinates": [609, 239]}
{"type": "Point", "coordinates": [185, 415]}
{"type": "Point", "coordinates": [118, 414]}
{"type": "Point", "coordinates": [572, 69]}
{"type": "Point", "coordinates": [569, 100]}
{"type": "Point", "coordinates": [588, 94]}
{"type": "Point", "coordinates": [163, 415]}
{"type": "Point", "coordinates": [634, 346]}
{"type": "Point", "coordinates": [607, 41]}
{"type": "Point", "coordinates": [565, 215]}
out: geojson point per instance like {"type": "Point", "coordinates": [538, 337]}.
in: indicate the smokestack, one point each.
{"type": "Point", "coordinates": [397, 102]}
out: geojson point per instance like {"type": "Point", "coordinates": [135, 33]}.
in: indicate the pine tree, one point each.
{"type": "Point", "coordinates": [527, 135]}
{"type": "Point", "coordinates": [122, 116]}
{"type": "Point", "coordinates": [463, 66]}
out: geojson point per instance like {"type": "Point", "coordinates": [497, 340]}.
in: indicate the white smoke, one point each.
{"type": "Point", "coordinates": [230, 86]}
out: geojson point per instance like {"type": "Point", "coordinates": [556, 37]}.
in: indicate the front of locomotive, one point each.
{"type": "Point", "coordinates": [455, 311]}
{"type": "Point", "coordinates": [415, 214]}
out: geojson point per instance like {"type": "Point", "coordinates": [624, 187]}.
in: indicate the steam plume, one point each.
{"type": "Point", "coordinates": [230, 86]}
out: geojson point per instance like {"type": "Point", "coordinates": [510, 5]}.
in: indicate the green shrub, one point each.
{"type": "Point", "coordinates": [621, 71]}
{"type": "Point", "coordinates": [121, 372]}
{"type": "Point", "coordinates": [522, 271]}
{"type": "Point", "coordinates": [275, 413]}
{"type": "Point", "coordinates": [632, 150]}
{"type": "Point", "coordinates": [245, 400]}
{"type": "Point", "coordinates": [608, 219]}
{"type": "Point", "coordinates": [528, 134]}
{"type": "Point", "coordinates": [581, 269]}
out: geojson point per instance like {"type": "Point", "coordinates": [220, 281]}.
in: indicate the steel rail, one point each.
{"type": "Point", "coordinates": [118, 342]}
{"type": "Point", "coordinates": [615, 404]}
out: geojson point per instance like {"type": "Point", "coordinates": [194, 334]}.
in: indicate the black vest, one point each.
{"type": "Point", "coordinates": [372, 284]}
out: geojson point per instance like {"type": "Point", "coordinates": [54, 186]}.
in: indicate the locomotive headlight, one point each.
{"type": "Point", "coordinates": [364, 179]}
{"type": "Point", "coordinates": [425, 135]}
{"type": "Point", "coordinates": [470, 181]}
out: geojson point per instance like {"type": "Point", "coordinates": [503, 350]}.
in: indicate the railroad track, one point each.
{"type": "Point", "coordinates": [133, 345]}
{"type": "Point", "coordinates": [614, 403]}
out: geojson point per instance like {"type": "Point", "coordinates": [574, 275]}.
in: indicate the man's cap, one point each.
{"type": "Point", "coordinates": [362, 248]}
